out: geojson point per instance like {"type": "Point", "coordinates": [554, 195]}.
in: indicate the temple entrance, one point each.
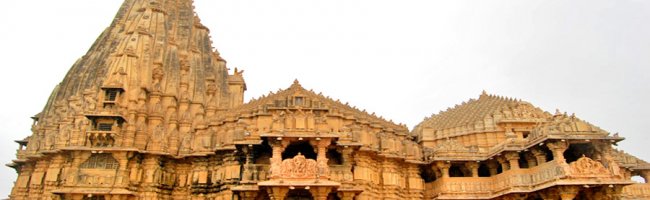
{"type": "Point", "coordinates": [302, 147]}
{"type": "Point", "coordinates": [299, 194]}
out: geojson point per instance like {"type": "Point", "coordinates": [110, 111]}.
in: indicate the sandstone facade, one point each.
{"type": "Point", "coordinates": [151, 112]}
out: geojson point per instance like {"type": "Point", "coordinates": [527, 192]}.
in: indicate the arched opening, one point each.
{"type": "Point", "coordinates": [428, 174]}
{"type": "Point", "coordinates": [523, 162]}
{"type": "Point", "coordinates": [575, 151]}
{"type": "Point", "coordinates": [334, 157]}
{"type": "Point", "coordinates": [299, 194]}
{"type": "Point", "coordinates": [483, 171]}
{"type": "Point", "coordinates": [302, 147]}
{"type": "Point", "coordinates": [262, 153]}
{"type": "Point", "coordinates": [458, 170]}
{"type": "Point", "coordinates": [547, 152]}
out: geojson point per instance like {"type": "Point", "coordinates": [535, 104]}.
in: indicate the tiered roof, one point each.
{"type": "Point", "coordinates": [474, 111]}
{"type": "Point", "coordinates": [317, 101]}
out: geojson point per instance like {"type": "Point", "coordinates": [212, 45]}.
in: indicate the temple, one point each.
{"type": "Point", "coordinates": [152, 112]}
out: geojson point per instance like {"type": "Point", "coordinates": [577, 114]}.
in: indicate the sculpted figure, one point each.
{"type": "Point", "coordinates": [278, 121]}
{"type": "Point", "coordinates": [185, 144]}
{"type": "Point", "coordinates": [91, 103]}
{"type": "Point", "coordinates": [50, 140]}
{"type": "Point", "coordinates": [157, 75]}
{"type": "Point", "coordinates": [75, 105]}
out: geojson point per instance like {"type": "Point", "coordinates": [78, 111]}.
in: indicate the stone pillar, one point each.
{"type": "Point", "coordinates": [278, 193]}
{"type": "Point", "coordinates": [493, 167]}
{"type": "Point", "coordinates": [320, 193]}
{"type": "Point", "coordinates": [558, 149]}
{"type": "Point", "coordinates": [122, 172]}
{"type": "Point", "coordinates": [415, 182]}
{"type": "Point", "coordinates": [348, 162]}
{"type": "Point", "coordinates": [444, 168]}
{"type": "Point", "coordinates": [532, 162]}
{"type": "Point", "coordinates": [540, 156]}
{"type": "Point", "coordinates": [504, 163]}
{"type": "Point", "coordinates": [472, 166]}
{"type": "Point", "coordinates": [513, 159]}
{"type": "Point", "coordinates": [346, 195]}
{"type": "Point", "coordinates": [276, 157]}
{"type": "Point", "coordinates": [321, 146]}
{"type": "Point", "coordinates": [568, 192]}
{"type": "Point", "coordinates": [248, 166]}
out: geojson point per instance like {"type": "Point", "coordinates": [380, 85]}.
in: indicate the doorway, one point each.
{"type": "Point", "coordinates": [299, 194]}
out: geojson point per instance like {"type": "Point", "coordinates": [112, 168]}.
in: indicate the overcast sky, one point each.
{"type": "Point", "coordinates": [403, 60]}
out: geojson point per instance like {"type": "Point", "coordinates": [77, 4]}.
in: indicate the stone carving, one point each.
{"type": "Point", "coordinates": [297, 167]}
{"type": "Point", "coordinates": [157, 75]}
{"type": "Point", "coordinates": [451, 145]}
{"type": "Point", "coordinates": [180, 130]}
{"type": "Point", "coordinates": [587, 166]}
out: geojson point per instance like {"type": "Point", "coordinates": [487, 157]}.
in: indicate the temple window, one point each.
{"type": "Point", "coordinates": [104, 126]}
{"type": "Point", "coordinates": [111, 95]}
{"type": "Point", "coordinates": [100, 161]}
{"type": "Point", "coordinates": [298, 101]}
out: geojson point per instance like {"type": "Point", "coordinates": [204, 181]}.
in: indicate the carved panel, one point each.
{"type": "Point", "coordinates": [297, 167]}
{"type": "Point", "coordinates": [587, 166]}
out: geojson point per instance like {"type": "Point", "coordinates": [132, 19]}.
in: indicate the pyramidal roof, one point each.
{"type": "Point", "coordinates": [151, 46]}
{"type": "Point", "coordinates": [275, 99]}
{"type": "Point", "coordinates": [476, 110]}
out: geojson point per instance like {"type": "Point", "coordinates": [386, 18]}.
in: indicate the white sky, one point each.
{"type": "Point", "coordinates": [401, 59]}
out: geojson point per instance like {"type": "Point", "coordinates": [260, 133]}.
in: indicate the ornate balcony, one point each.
{"type": "Point", "coordinates": [582, 172]}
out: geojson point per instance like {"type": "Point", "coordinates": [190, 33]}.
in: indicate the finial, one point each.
{"type": "Point", "coordinates": [295, 83]}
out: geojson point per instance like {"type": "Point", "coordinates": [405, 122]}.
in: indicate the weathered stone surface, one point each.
{"type": "Point", "coordinates": [150, 112]}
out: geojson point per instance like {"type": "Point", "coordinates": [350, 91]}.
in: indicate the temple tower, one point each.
{"type": "Point", "coordinates": [140, 96]}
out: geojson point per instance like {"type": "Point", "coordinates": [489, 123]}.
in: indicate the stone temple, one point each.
{"type": "Point", "coordinates": [151, 112]}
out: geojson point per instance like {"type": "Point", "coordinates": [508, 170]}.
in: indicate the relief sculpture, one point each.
{"type": "Point", "coordinates": [297, 167]}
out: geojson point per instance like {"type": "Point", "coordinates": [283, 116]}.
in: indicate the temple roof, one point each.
{"type": "Point", "coordinates": [312, 100]}
{"type": "Point", "coordinates": [476, 110]}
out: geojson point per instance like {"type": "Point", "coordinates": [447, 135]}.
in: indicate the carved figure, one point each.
{"type": "Point", "coordinates": [297, 167]}
{"type": "Point", "coordinates": [587, 166]}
